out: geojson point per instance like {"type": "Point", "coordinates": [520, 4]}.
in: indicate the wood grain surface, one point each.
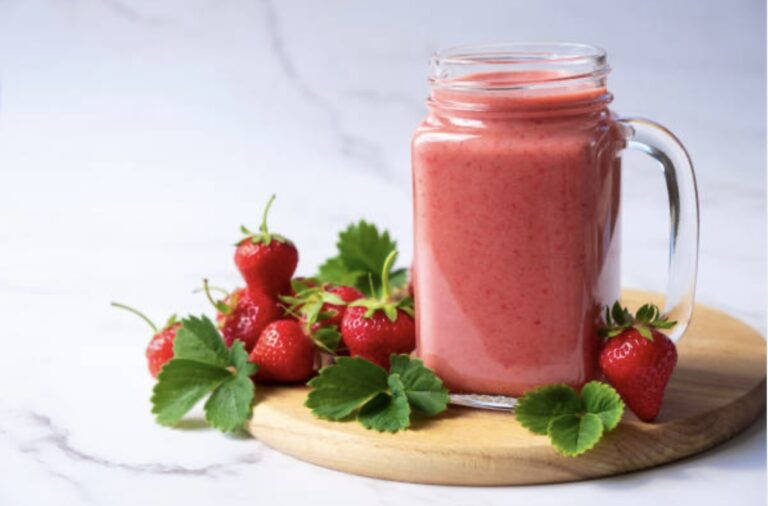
{"type": "Point", "coordinates": [717, 390]}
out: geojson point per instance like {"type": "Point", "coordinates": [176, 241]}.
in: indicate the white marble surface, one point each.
{"type": "Point", "coordinates": [136, 136]}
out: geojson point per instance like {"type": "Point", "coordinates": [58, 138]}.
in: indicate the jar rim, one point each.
{"type": "Point", "coordinates": [537, 64]}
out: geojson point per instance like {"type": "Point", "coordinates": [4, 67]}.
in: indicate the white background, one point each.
{"type": "Point", "coordinates": [136, 136]}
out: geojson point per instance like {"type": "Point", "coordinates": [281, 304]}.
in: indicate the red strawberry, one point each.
{"type": "Point", "coordinates": [283, 353]}
{"type": "Point", "coordinates": [160, 348]}
{"type": "Point", "coordinates": [374, 328]}
{"type": "Point", "coordinates": [243, 315]}
{"type": "Point", "coordinates": [266, 261]}
{"type": "Point", "coordinates": [637, 359]}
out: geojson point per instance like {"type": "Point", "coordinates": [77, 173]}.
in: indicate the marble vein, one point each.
{"type": "Point", "coordinates": [133, 15]}
{"type": "Point", "coordinates": [57, 438]}
{"type": "Point", "coordinates": [353, 146]}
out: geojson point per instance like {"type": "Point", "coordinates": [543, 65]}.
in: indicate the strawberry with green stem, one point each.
{"type": "Point", "coordinates": [243, 314]}
{"type": "Point", "coordinates": [320, 310]}
{"type": "Point", "coordinates": [320, 306]}
{"type": "Point", "coordinates": [266, 260]}
{"type": "Point", "coordinates": [638, 359]}
{"type": "Point", "coordinates": [376, 327]}
{"type": "Point", "coordinates": [160, 348]}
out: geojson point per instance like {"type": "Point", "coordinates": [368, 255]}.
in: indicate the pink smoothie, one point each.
{"type": "Point", "coordinates": [516, 206]}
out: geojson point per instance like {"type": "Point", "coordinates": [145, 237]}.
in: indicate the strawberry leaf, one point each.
{"type": "Point", "coordinates": [181, 384]}
{"type": "Point", "coordinates": [238, 358]}
{"type": "Point", "coordinates": [327, 338]}
{"type": "Point", "coordinates": [334, 270]}
{"type": "Point", "coordinates": [341, 389]}
{"type": "Point", "coordinates": [537, 408]}
{"type": "Point", "coordinates": [574, 422]}
{"type": "Point", "coordinates": [199, 340]}
{"type": "Point", "coordinates": [603, 401]}
{"type": "Point", "coordinates": [423, 388]}
{"type": "Point", "coordinates": [573, 435]}
{"type": "Point", "coordinates": [382, 401]}
{"type": "Point", "coordinates": [202, 365]}
{"type": "Point", "coordinates": [362, 251]}
{"type": "Point", "coordinates": [387, 412]}
{"type": "Point", "coordinates": [230, 404]}
{"type": "Point", "coordinates": [399, 277]}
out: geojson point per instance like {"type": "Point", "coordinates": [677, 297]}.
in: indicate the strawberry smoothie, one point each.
{"type": "Point", "coordinates": [516, 211]}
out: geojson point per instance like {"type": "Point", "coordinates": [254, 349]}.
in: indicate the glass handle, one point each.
{"type": "Point", "coordinates": [658, 142]}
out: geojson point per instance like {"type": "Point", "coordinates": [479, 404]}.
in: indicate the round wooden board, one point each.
{"type": "Point", "coordinates": [717, 390]}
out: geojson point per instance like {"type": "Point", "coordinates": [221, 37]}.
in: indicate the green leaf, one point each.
{"type": "Point", "coordinates": [644, 313]}
{"type": "Point", "coordinates": [238, 357]}
{"type": "Point", "coordinates": [573, 435]}
{"type": "Point", "coordinates": [425, 391]}
{"type": "Point", "coordinates": [181, 384]}
{"type": "Point", "coordinates": [390, 312]}
{"type": "Point", "coordinates": [387, 412]}
{"type": "Point", "coordinates": [332, 298]}
{"type": "Point", "coordinates": [362, 251]}
{"type": "Point", "coordinates": [621, 315]}
{"type": "Point", "coordinates": [537, 408]}
{"type": "Point", "coordinates": [172, 320]}
{"type": "Point", "coordinates": [644, 331]}
{"type": "Point", "coordinates": [602, 400]}
{"type": "Point", "coordinates": [383, 401]}
{"type": "Point", "coordinates": [300, 284]}
{"type": "Point", "coordinates": [342, 388]}
{"type": "Point", "coordinates": [335, 271]}
{"type": "Point", "coordinates": [203, 365]}
{"type": "Point", "coordinates": [230, 404]}
{"type": "Point", "coordinates": [311, 311]}
{"type": "Point", "coordinates": [406, 304]}
{"type": "Point", "coordinates": [327, 338]}
{"type": "Point", "coordinates": [398, 278]}
{"type": "Point", "coordinates": [363, 248]}
{"type": "Point", "coordinates": [573, 423]}
{"type": "Point", "coordinates": [199, 340]}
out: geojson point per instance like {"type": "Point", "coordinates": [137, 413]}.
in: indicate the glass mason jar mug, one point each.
{"type": "Point", "coordinates": [516, 183]}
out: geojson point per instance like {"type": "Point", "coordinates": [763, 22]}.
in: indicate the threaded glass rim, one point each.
{"type": "Point", "coordinates": [542, 65]}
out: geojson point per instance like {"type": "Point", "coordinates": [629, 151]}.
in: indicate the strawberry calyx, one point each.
{"type": "Point", "coordinates": [648, 317]}
{"type": "Point", "coordinates": [386, 302]}
{"type": "Point", "coordinates": [306, 305]}
{"type": "Point", "coordinates": [308, 300]}
{"type": "Point", "coordinates": [263, 235]}
{"type": "Point", "coordinates": [168, 324]}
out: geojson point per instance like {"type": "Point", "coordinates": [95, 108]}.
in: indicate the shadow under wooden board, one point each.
{"type": "Point", "coordinates": [717, 390]}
